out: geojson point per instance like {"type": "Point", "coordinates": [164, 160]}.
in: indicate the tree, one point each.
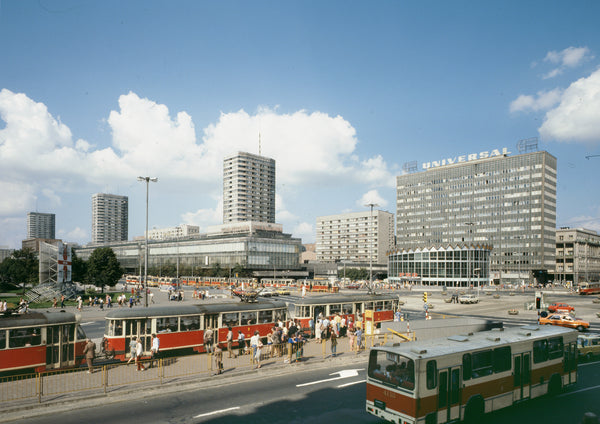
{"type": "Point", "coordinates": [78, 268]}
{"type": "Point", "coordinates": [21, 268]}
{"type": "Point", "coordinates": [104, 268]}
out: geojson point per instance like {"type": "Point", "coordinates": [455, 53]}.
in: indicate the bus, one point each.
{"type": "Point", "coordinates": [40, 341]}
{"type": "Point", "coordinates": [462, 377]}
{"type": "Point", "coordinates": [181, 328]}
{"type": "Point", "coordinates": [589, 288]}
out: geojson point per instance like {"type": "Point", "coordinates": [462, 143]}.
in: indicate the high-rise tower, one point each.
{"type": "Point", "coordinates": [110, 218]}
{"type": "Point", "coordinates": [41, 225]}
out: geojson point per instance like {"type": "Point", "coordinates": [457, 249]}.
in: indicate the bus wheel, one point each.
{"type": "Point", "coordinates": [554, 386]}
{"type": "Point", "coordinates": [474, 411]}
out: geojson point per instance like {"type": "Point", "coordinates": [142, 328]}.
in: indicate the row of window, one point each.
{"type": "Point", "coordinates": [32, 336]}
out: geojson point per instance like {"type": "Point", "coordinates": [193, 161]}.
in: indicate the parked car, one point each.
{"type": "Point", "coordinates": [560, 307]}
{"type": "Point", "coordinates": [588, 346]}
{"type": "Point", "coordinates": [468, 298]}
{"type": "Point", "coordinates": [283, 291]}
{"type": "Point", "coordinates": [268, 292]}
{"type": "Point", "coordinates": [564, 320]}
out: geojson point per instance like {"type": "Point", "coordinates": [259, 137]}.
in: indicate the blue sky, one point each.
{"type": "Point", "coordinates": [343, 93]}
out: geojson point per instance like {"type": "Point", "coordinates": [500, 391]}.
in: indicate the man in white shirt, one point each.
{"type": "Point", "coordinates": [154, 349]}
{"type": "Point", "coordinates": [254, 343]}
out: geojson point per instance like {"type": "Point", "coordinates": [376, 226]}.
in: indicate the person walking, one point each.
{"type": "Point", "coordinates": [241, 342]}
{"type": "Point", "coordinates": [208, 340]}
{"type": "Point", "coordinates": [258, 352]}
{"type": "Point", "coordinates": [138, 355]}
{"type": "Point", "coordinates": [62, 301]}
{"type": "Point", "coordinates": [254, 344]}
{"type": "Point", "coordinates": [132, 350]}
{"type": "Point", "coordinates": [229, 341]}
{"type": "Point", "coordinates": [89, 351]}
{"type": "Point", "coordinates": [154, 350]}
{"type": "Point", "coordinates": [333, 338]}
{"type": "Point", "coordinates": [218, 354]}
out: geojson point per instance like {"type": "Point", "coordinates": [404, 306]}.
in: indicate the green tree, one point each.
{"type": "Point", "coordinates": [22, 268]}
{"type": "Point", "coordinates": [78, 268]}
{"type": "Point", "coordinates": [104, 268]}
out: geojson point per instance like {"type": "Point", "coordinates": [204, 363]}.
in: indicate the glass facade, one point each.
{"type": "Point", "coordinates": [508, 202]}
{"type": "Point", "coordinates": [458, 266]}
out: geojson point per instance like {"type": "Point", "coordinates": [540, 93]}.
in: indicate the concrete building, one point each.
{"type": "Point", "coordinates": [41, 225]}
{"type": "Point", "coordinates": [489, 198]}
{"type": "Point", "coordinates": [248, 188]}
{"type": "Point", "coordinates": [577, 256]}
{"type": "Point", "coordinates": [355, 238]}
{"type": "Point", "coordinates": [110, 218]}
{"type": "Point", "coordinates": [183, 230]}
{"type": "Point", "coordinates": [5, 252]}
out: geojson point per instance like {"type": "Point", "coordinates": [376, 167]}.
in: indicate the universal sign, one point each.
{"type": "Point", "coordinates": [467, 158]}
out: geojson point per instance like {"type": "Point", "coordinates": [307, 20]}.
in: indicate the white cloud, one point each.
{"type": "Point", "coordinates": [72, 235]}
{"type": "Point", "coordinates": [541, 101]}
{"type": "Point", "coordinates": [577, 116]}
{"type": "Point", "coordinates": [305, 231]}
{"type": "Point", "coordinates": [372, 196]}
{"type": "Point", "coordinates": [567, 58]}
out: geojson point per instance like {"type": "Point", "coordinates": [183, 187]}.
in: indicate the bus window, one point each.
{"type": "Point", "coordinates": [540, 351]}
{"type": "Point", "coordinates": [555, 348]}
{"type": "Point", "coordinates": [392, 369]}
{"type": "Point", "coordinates": [502, 359]}
{"type": "Point", "coordinates": [166, 324]}
{"type": "Point", "coordinates": [265, 316]}
{"type": "Point", "coordinates": [482, 363]}
{"type": "Point", "coordinates": [431, 374]}
{"type": "Point", "coordinates": [231, 319]}
{"type": "Point", "coordinates": [467, 366]}
{"type": "Point", "coordinates": [190, 323]}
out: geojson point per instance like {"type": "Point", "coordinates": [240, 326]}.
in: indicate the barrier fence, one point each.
{"type": "Point", "coordinates": [50, 385]}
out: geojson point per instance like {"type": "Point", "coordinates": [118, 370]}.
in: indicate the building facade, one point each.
{"type": "Point", "coordinates": [41, 225]}
{"type": "Point", "coordinates": [110, 218]}
{"type": "Point", "coordinates": [357, 238]}
{"type": "Point", "coordinates": [489, 198]}
{"type": "Point", "coordinates": [183, 230]}
{"type": "Point", "coordinates": [577, 256]}
{"type": "Point", "coordinates": [248, 188]}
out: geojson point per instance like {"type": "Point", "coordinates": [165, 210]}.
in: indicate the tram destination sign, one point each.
{"type": "Point", "coordinates": [466, 158]}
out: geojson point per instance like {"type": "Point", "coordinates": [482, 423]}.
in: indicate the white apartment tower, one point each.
{"type": "Point", "coordinates": [248, 188]}
{"type": "Point", "coordinates": [357, 237]}
{"type": "Point", "coordinates": [41, 225]}
{"type": "Point", "coordinates": [110, 218]}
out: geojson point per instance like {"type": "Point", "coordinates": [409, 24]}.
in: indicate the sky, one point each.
{"type": "Point", "coordinates": [343, 93]}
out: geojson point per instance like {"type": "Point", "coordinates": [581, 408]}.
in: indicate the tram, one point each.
{"type": "Point", "coordinates": [40, 341]}
{"type": "Point", "coordinates": [181, 328]}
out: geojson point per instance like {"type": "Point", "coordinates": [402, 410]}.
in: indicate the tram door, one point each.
{"type": "Point", "coordinates": [521, 376]}
{"type": "Point", "coordinates": [140, 328]}
{"type": "Point", "coordinates": [449, 395]}
{"type": "Point", "coordinates": [60, 345]}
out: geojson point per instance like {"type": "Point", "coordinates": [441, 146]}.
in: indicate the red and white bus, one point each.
{"type": "Point", "coordinates": [40, 341]}
{"type": "Point", "coordinates": [589, 288]}
{"type": "Point", "coordinates": [181, 328]}
{"type": "Point", "coordinates": [463, 377]}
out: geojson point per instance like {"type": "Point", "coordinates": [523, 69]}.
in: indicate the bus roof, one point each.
{"type": "Point", "coordinates": [467, 342]}
{"type": "Point", "coordinates": [196, 309]}
{"type": "Point", "coordinates": [36, 318]}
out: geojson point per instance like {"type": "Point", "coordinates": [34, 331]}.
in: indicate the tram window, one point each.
{"type": "Point", "coordinates": [114, 328]}
{"type": "Point", "coordinates": [24, 337]}
{"type": "Point", "coordinates": [248, 318]}
{"type": "Point", "coordinates": [378, 306]}
{"type": "Point", "coordinates": [265, 316]}
{"type": "Point", "coordinates": [2, 339]}
{"type": "Point", "coordinates": [467, 366]}
{"type": "Point", "coordinates": [540, 351]}
{"type": "Point", "coordinates": [555, 348]}
{"type": "Point", "coordinates": [302, 311]}
{"type": "Point", "coordinates": [369, 306]}
{"type": "Point", "coordinates": [335, 309]}
{"type": "Point", "coordinates": [80, 333]}
{"type": "Point", "coordinates": [53, 334]}
{"type": "Point", "coordinates": [166, 324]}
{"type": "Point", "coordinates": [502, 359]}
{"type": "Point", "coordinates": [279, 314]}
{"type": "Point", "coordinates": [190, 323]}
{"type": "Point", "coordinates": [231, 319]}
{"type": "Point", "coordinates": [482, 363]}
{"type": "Point", "coordinates": [347, 308]}
{"type": "Point", "coordinates": [387, 305]}
{"type": "Point", "coordinates": [431, 374]}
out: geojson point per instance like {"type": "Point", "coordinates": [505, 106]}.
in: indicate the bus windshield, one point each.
{"type": "Point", "coordinates": [392, 369]}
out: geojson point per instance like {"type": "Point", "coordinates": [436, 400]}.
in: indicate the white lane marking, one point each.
{"type": "Point", "coordinates": [579, 391]}
{"type": "Point", "coordinates": [350, 384]}
{"type": "Point", "coordinates": [220, 411]}
{"type": "Point", "coordinates": [342, 374]}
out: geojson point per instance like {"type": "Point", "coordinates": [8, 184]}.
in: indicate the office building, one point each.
{"type": "Point", "coordinates": [355, 238]}
{"type": "Point", "coordinates": [577, 256]}
{"type": "Point", "coordinates": [110, 218]}
{"type": "Point", "coordinates": [248, 188]}
{"type": "Point", "coordinates": [41, 225]}
{"type": "Point", "coordinates": [183, 230]}
{"type": "Point", "coordinates": [488, 199]}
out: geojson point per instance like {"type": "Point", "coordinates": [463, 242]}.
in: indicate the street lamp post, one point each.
{"type": "Point", "coordinates": [370, 229]}
{"type": "Point", "coordinates": [145, 285]}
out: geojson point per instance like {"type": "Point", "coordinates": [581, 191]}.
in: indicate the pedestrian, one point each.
{"type": "Point", "coordinates": [79, 303]}
{"type": "Point", "coordinates": [291, 345]}
{"type": "Point", "coordinates": [89, 351]}
{"type": "Point", "coordinates": [318, 329]}
{"type": "Point", "coordinates": [258, 353]}
{"type": "Point", "coordinates": [139, 350]}
{"type": "Point", "coordinates": [131, 300]}
{"type": "Point", "coordinates": [229, 341]}
{"type": "Point", "coordinates": [299, 347]}
{"type": "Point", "coordinates": [151, 297]}
{"type": "Point", "coordinates": [218, 353]}
{"type": "Point", "coordinates": [270, 344]}
{"type": "Point", "coordinates": [54, 302]}
{"type": "Point", "coordinates": [208, 340]}
{"type": "Point", "coordinates": [358, 335]}
{"type": "Point", "coordinates": [334, 338]}
{"type": "Point", "coordinates": [351, 339]}
{"type": "Point", "coordinates": [132, 350]}
{"type": "Point", "coordinates": [241, 342]}
{"type": "Point", "coordinates": [62, 301]}
{"type": "Point", "coordinates": [154, 350]}
{"type": "Point", "coordinates": [254, 344]}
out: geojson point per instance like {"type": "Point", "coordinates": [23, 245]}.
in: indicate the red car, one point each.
{"type": "Point", "coordinates": [560, 307]}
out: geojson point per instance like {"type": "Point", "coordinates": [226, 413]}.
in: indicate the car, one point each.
{"type": "Point", "coordinates": [284, 291]}
{"type": "Point", "coordinates": [588, 346]}
{"type": "Point", "coordinates": [468, 298]}
{"type": "Point", "coordinates": [268, 292]}
{"type": "Point", "coordinates": [564, 320]}
{"type": "Point", "coordinates": [560, 307]}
